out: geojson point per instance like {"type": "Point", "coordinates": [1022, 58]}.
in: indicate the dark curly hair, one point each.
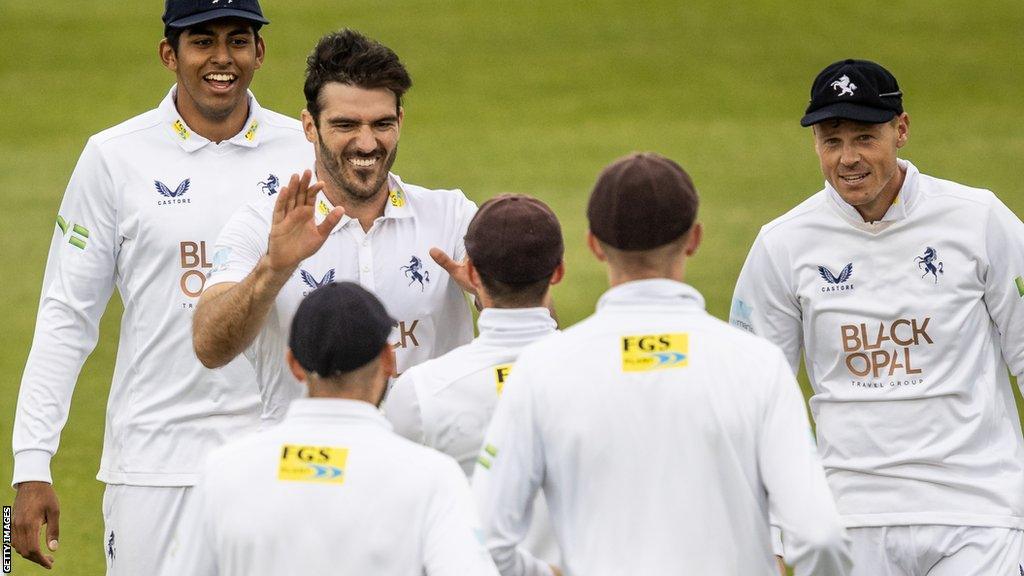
{"type": "Point", "coordinates": [350, 58]}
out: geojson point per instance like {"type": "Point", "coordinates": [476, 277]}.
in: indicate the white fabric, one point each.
{"type": "Point", "coordinates": [657, 471]}
{"type": "Point", "coordinates": [446, 403]}
{"type": "Point", "coordinates": [432, 312]}
{"type": "Point", "coordinates": [165, 410]}
{"type": "Point", "coordinates": [139, 525]}
{"type": "Point", "coordinates": [930, 434]}
{"type": "Point", "coordinates": [930, 550]}
{"type": "Point", "coordinates": [396, 508]}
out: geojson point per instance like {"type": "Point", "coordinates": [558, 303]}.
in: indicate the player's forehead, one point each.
{"type": "Point", "coordinates": [346, 101]}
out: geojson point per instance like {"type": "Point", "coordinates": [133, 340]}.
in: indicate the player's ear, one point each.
{"type": "Point", "coordinates": [261, 50]}
{"type": "Point", "coordinates": [595, 247]}
{"type": "Point", "coordinates": [474, 275]}
{"type": "Point", "coordinates": [293, 364]}
{"type": "Point", "coordinates": [388, 361]}
{"type": "Point", "coordinates": [167, 55]}
{"type": "Point", "coordinates": [558, 274]}
{"type": "Point", "coordinates": [694, 237]}
{"type": "Point", "coordinates": [902, 130]}
{"type": "Point", "coordinates": [309, 125]}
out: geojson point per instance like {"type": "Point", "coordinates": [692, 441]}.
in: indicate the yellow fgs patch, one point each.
{"type": "Point", "coordinates": [180, 130]}
{"type": "Point", "coordinates": [323, 208]}
{"type": "Point", "coordinates": [501, 373]}
{"type": "Point", "coordinates": [319, 464]}
{"type": "Point", "coordinates": [397, 198]}
{"type": "Point", "coordinates": [649, 352]}
{"type": "Point", "coordinates": [250, 134]}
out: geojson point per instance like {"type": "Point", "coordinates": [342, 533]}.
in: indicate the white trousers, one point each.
{"type": "Point", "coordinates": [139, 525]}
{"type": "Point", "coordinates": [931, 550]}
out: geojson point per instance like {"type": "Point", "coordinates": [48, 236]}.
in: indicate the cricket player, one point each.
{"type": "Point", "coordinates": [332, 490]}
{"type": "Point", "coordinates": [140, 213]}
{"type": "Point", "coordinates": [361, 223]}
{"type": "Point", "coordinates": [661, 436]}
{"type": "Point", "coordinates": [514, 255]}
{"type": "Point", "coordinates": [903, 292]}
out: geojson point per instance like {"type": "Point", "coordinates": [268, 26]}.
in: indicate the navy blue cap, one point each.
{"type": "Point", "coordinates": [858, 90]}
{"type": "Point", "coordinates": [185, 13]}
{"type": "Point", "coordinates": [338, 328]}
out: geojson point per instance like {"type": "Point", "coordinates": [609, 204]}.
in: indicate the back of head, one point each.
{"type": "Point", "coordinates": [515, 243]}
{"type": "Point", "coordinates": [348, 57]}
{"type": "Point", "coordinates": [337, 330]}
{"type": "Point", "coordinates": [641, 206]}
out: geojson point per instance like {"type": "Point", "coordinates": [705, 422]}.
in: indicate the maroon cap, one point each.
{"type": "Point", "coordinates": [515, 239]}
{"type": "Point", "coordinates": [642, 201]}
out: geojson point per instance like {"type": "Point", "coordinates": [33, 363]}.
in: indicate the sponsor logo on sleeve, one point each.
{"type": "Point", "coordinates": [1019, 282]}
{"type": "Point", "coordinates": [416, 273]}
{"type": "Point", "coordinates": [882, 354]}
{"type": "Point", "coordinates": [487, 456]}
{"type": "Point", "coordinates": [650, 352]}
{"type": "Point", "coordinates": [173, 196]}
{"type": "Point", "coordinates": [76, 234]}
{"type": "Point", "coordinates": [315, 464]}
{"type": "Point", "coordinates": [930, 264]}
{"type": "Point", "coordinates": [836, 282]}
{"type": "Point", "coordinates": [501, 373]}
{"type": "Point", "coordinates": [740, 315]}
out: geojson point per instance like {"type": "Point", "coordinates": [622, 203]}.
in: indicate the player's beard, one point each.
{"type": "Point", "coordinates": [351, 182]}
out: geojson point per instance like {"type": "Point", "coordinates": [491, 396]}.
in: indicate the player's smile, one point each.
{"type": "Point", "coordinates": [220, 81]}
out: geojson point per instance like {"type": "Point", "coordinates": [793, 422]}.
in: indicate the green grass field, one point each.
{"type": "Point", "coordinates": [531, 97]}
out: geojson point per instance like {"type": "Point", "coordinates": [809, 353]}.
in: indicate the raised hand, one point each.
{"type": "Point", "coordinates": [34, 505]}
{"type": "Point", "coordinates": [294, 234]}
{"type": "Point", "coordinates": [457, 270]}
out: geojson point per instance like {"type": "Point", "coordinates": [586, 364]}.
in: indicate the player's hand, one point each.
{"type": "Point", "coordinates": [294, 234]}
{"type": "Point", "coordinates": [35, 504]}
{"type": "Point", "coordinates": [457, 270]}
{"type": "Point", "coordinates": [555, 570]}
{"type": "Point", "coordinates": [782, 565]}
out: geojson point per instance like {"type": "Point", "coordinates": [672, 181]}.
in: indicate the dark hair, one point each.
{"type": "Point", "coordinates": [348, 57]}
{"type": "Point", "coordinates": [173, 35]}
{"type": "Point", "coordinates": [518, 295]}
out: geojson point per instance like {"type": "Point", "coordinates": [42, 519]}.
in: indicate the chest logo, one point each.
{"type": "Point", "coordinates": [319, 464]}
{"type": "Point", "coordinates": [655, 352]}
{"type": "Point", "coordinates": [928, 263]}
{"type": "Point", "coordinates": [843, 86]}
{"type": "Point", "coordinates": [311, 281]}
{"type": "Point", "coordinates": [270, 186]}
{"type": "Point", "coordinates": [173, 196]}
{"type": "Point", "coordinates": [415, 272]}
{"type": "Point", "coordinates": [836, 282]}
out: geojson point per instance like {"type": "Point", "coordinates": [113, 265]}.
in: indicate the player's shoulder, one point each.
{"type": "Point", "coordinates": [437, 374]}
{"type": "Point", "coordinates": [955, 193]}
{"type": "Point", "coordinates": [433, 201]}
{"type": "Point", "coordinates": [810, 212]}
{"type": "Point", "coordinates": [738, 341]}
{"type": "Point", "coordinates": [124, 133]}
{"type": "Point", "coordinates": [283, 128]}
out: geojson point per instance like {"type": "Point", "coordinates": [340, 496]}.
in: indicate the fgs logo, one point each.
{"type": "Point", "coordinates": [655, 352]}
{"type": "Point", "coordinates": [501, 373]}
{"type": "Point", "coordinates": [319, 464]}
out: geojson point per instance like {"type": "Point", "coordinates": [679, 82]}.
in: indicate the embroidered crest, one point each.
{"type": "Point", "coordinates": [928, 263]}
{"type": "Point", "coordinates": [412, 271]}
{"type": "Point", "coordinates": [844, 86]}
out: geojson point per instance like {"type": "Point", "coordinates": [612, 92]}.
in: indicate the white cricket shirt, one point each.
{"type": "Point", "coordinates": [330, 490]}
{"type": "Point", "coordinates": [391, 260]}
{"type": "Point", "coordinates": [662, 438]}
{"type": "Point", "coordinates": [907, 325]}
{"type": "Point", "coordinates": [141, 212]}
{"type": "Point", "coordinates": [446, 403]}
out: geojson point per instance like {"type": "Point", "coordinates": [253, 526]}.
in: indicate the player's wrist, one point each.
{"type": "Point", "coordinates": [32, 466]}
{"type": "Point", "coordinates": [273, 274]}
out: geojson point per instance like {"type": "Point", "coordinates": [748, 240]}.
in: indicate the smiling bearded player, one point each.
{"type": "Point", "coordinates": [361, 224]}
{"type": "Point", "coordinates": [146, 199]}
{"type": "Point", "coordinates": [904, 293]}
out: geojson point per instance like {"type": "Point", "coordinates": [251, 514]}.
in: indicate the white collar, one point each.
{"type": "Point", "coordinates": [904, 202]}
{"type": "Point", "coordinates": [512, 326]}
{"type": "Point", "coordinates": [190, 141]}
{"type": "Point", "coordinates": [657, 292]}
{"type": "Point", "coordinates": [339, 410]}
{"type": "Point", "coordinates": [396, 207]}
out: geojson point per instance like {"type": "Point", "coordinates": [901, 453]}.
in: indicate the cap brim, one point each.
{"type": "Point", "coordinates": [216, 15]}
{"type": "Point", "coordinates": [848, 111]}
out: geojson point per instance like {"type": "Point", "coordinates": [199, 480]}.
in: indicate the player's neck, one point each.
{"type": "Point", "coordinates": [876, 210]}
{"type": "Point", "coordinates": [365, 210]}
{"type": "Point", "coordinates": [213, 129]}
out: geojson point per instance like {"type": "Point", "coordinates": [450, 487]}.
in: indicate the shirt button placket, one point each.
{"type": "Point", "coordinates": [366, 264]}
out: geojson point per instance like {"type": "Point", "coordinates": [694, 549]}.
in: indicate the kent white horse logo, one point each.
{"type": "Point", "coordinates": [928, 263]}
{"type": "Point", "coordinates": [844, 86]}
{"type": "Point", "coordinates": [412, 271]}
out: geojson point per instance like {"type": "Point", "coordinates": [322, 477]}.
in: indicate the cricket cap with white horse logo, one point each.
{"type": "Point", "coordinates": [185, 13]}
{"type": "Point", "coordinates": [858, 90]}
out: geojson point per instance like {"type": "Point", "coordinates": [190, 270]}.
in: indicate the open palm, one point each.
{"type": "Point", "coordinates": [294, 233]}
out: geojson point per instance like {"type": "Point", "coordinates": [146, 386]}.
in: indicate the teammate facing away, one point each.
{"type": "Point", "coordinates": [662, 437]}
{"type": "Point", "coordinates": [331, 490]}
{"type": "Point", "coordinates": [140, 213]}
{"type": "Point", "coordinates": [903, 292]}
{"type": "Point", "coordinates": [514, 254]}
{"type": "Point", "coordinates": [361, 224]}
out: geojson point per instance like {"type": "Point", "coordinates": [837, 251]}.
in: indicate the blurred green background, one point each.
{"type": "Point", "coordinates": [515, 96]}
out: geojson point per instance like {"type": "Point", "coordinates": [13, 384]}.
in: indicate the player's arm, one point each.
{"type": "Point", "coordinates": [799, 498]}
{"type": "Point", "coordinates": [508, 475]}
{"type": "Point", "coordinates": [230, 314]}
{"type": "Point", "coordinates": [77, 285]}
{"type": "Point", "coordinates": [765, 303]}
{"type": "Point", "coordinates": [1004, 283]}
{"type": "Point", "coordinates": [402, 407]}
{"type": "Point", "coordinates": [451, 546]}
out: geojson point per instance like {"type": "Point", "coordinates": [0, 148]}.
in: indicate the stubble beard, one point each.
{"type": "Point", "coordinates": [352, 188]}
